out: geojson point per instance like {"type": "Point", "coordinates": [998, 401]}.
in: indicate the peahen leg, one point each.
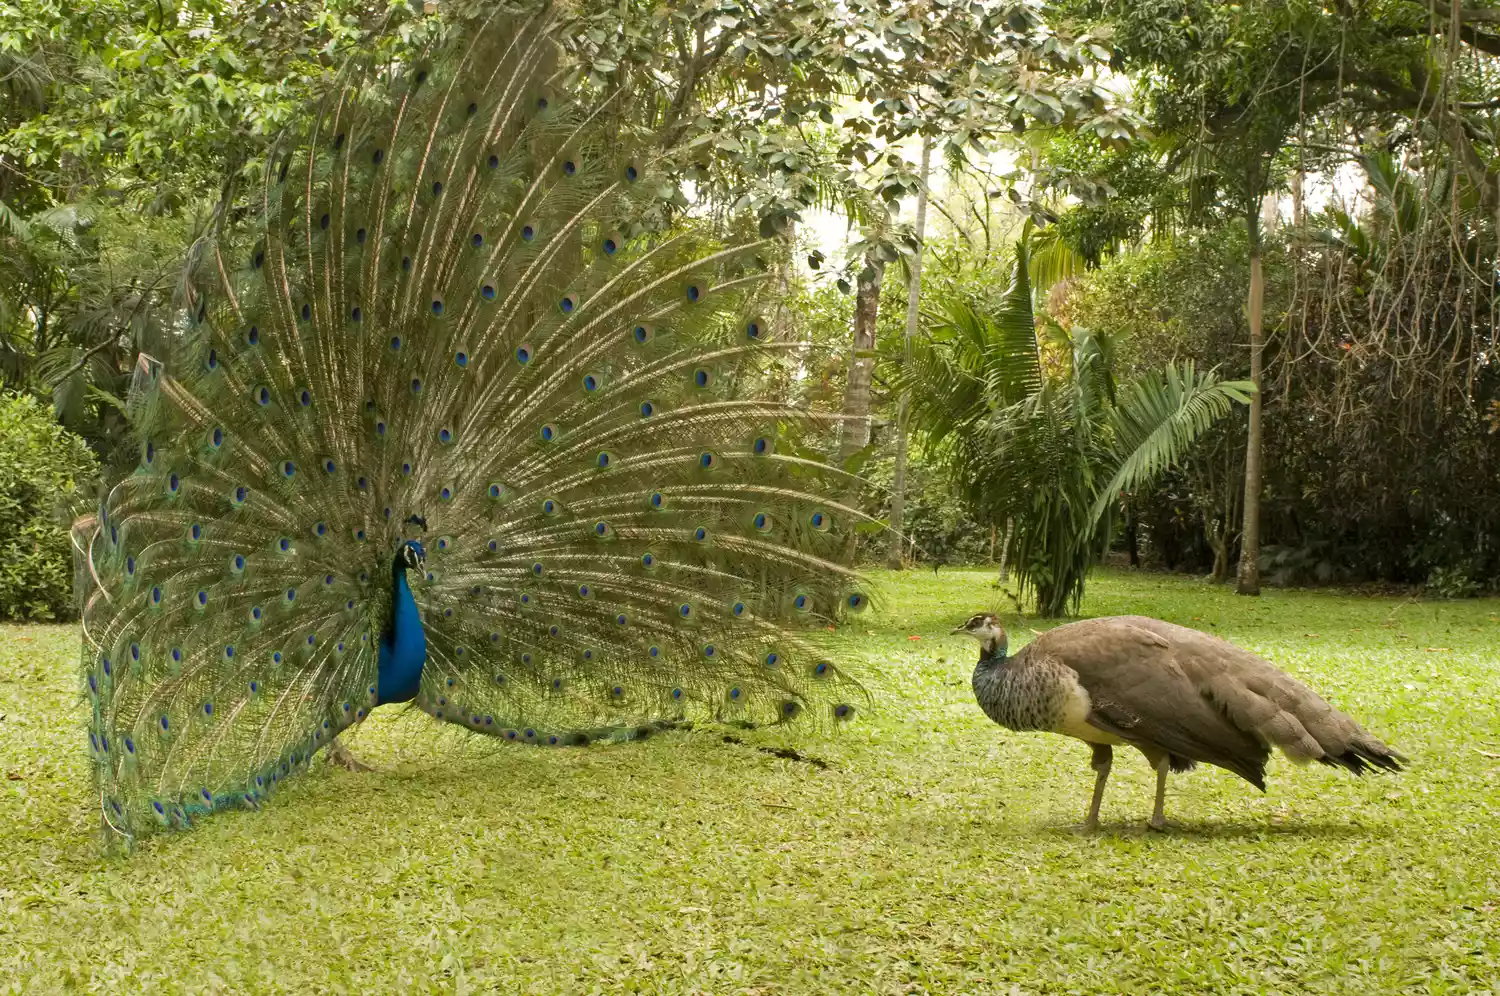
{"type": "Point", "coordinates": [1159, 818]}
{"type": "Point", "coordinates": [340, 755]}
{"type": "Point", "coordinates": [1103, 758]}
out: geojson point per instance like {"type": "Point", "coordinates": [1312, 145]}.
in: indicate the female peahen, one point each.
{"type": "Point", "coordinates": [461, 419]}
{"type": "Point", "coordinates": [1178, 696]}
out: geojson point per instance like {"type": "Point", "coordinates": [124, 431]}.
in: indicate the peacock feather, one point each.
{"type": "Point", "coordinates": [470, 415]}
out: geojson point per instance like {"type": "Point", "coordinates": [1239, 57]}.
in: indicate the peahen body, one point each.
{"type": "Point", "coordinates": [470, 416]}
{"type": "Point", "coordinates": [1179, 696]}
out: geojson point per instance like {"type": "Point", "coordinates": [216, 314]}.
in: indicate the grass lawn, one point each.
{"type": "Point", "coordinates": [934, 854]}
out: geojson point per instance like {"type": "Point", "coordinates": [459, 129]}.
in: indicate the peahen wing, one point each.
{"type": "Point", "coordinates": [461, 303]}
{"type": "Point", "coordinates": [1142, 686]}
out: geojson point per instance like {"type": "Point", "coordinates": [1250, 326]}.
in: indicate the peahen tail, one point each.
{"type": "Point", "coordinates": [472, 311]}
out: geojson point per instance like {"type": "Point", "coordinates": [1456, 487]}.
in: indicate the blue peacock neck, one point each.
{"type": "Point", "coordinates": [403, 646]}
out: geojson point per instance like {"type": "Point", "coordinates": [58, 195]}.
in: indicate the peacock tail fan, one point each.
{"type": "Point", "coordinates": [465, 311]}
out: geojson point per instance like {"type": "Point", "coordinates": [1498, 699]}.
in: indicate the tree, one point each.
{"type": "Point", "coordinates": [796, 106]}
{"type": "Point", "coordinates": [121, 127]}
{"type": "Point", "coordinates": [161, 111]}
{"type": "Point", "coordinates": [1035, 429]}
{"type": "Point", "coordinates": [913, 316]}
{"type": "Point", "coordinates": [1218, 82]}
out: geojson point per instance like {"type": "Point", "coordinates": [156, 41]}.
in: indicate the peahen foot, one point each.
{"type": "Point", "coordinates": [340, 756]}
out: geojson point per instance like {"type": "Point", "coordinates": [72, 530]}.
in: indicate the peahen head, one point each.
{"type": "Point", "coordinates": [410, 556]}
{"type": "Point", "coordinates": [985, 627]}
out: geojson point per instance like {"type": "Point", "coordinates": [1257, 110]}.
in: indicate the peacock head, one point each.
{"type": "Point", "coordinates": [985, 627]}
{"type": "Point", "coordinates": [411, 556]}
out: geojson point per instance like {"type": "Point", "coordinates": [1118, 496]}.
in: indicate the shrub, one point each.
{"type": "Point", "coordinates": [43, 467]}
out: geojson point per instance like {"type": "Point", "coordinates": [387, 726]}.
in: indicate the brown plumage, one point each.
{"type": "Point", "coordinates": [1177, 695]}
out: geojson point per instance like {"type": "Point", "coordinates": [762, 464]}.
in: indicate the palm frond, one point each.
{"type": "Point", "coordinates": [1158, 417]}
{"type": "Point", "coordinates": [12, 222]}
{"type": "Point", "coordinates": [1013, 354]}
{"type": "Point", "coordinates": [946, 373]}
{"type": "Point", "coordinates": [973, 361]}
{"type": "Point", "coordinates": [1052, 259]}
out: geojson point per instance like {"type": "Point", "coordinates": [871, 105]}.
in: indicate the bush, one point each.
{"type": "Point", "coordinates": [42, 469]}
{"type": "Point", "coordinates": [936, 519]}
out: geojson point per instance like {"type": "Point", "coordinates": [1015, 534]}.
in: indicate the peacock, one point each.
{"type": "Point", "coordinates": [468, 410]}
{"type": "Point", "coordinates": [1178, 696]}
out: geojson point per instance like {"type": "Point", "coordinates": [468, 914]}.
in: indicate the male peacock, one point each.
{"type": "Point", "coordinates": [1177, 695]}
{"type": "Point", "coordinates": [462, 419]}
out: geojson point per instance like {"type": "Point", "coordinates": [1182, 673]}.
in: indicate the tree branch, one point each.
{"type": "Point", "coordinates": [98, 348]}
{"type": "Point", "coordinates": [160, 32]}
{"type": "Point", "coordinates": [1486, 43]}
{"type": "Point", "coordinates": [1467, 18]}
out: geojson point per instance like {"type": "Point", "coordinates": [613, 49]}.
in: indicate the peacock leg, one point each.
{"type": "Point", "coordinates": [1159, 818]}
{"type": "Point", "coordinates": [340, 755]}
{"type": "Point", "coordinates": [1103, 758]}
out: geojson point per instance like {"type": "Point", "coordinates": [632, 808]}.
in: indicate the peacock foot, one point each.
{"type": "Point", "coordinates": [340, 756]}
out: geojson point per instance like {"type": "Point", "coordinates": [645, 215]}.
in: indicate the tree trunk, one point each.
{"type": "Point", "coordinates": [855, 428]}
{"type": "Point", "coordinates": [1224, 517]}
{"type": "Point", "coordinates": [913, 300]}
{"type": "Point", "coordinates": [1131, 537]}
{"type": "Point", "coordinates": [1249, 581]}
{"type": "Point", "coordinates": [1010, 528]}
{"type": "Point", "coordinates": [783, 317]}
{"type": "Point", "coordinates": [856, 424]}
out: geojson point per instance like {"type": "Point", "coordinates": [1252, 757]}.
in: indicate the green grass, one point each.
{"type": "Point", "coordinates": [934, 855]}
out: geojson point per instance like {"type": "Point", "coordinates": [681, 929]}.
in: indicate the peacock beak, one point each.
{"type": "Point", "coordinates": [957, 629]}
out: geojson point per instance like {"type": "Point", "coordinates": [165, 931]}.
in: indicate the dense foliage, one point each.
{"type": "Point", "coordinates": [1380, 467]}
{"type": "Point", "coordinates": [43, 469]}
{"type": "Point", "coordinates": [1346, 153]}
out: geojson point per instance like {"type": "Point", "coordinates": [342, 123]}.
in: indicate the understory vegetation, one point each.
{"type": "Point", "coordinates": [919, 850]}
{"type": "Point", "coordinates": [44, 471]}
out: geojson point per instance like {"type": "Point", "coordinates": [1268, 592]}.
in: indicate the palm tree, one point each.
{"type": "Point", "coordinates": [1036, 431]}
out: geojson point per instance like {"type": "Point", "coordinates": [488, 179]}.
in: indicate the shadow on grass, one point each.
{"type": "Point", "coordinates": [1228, 830]}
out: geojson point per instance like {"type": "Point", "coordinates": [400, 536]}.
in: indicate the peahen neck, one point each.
{"type": "Point", "coordinates": [403, 647]}
{"type": "Point", "coordinates": [992, 652]}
